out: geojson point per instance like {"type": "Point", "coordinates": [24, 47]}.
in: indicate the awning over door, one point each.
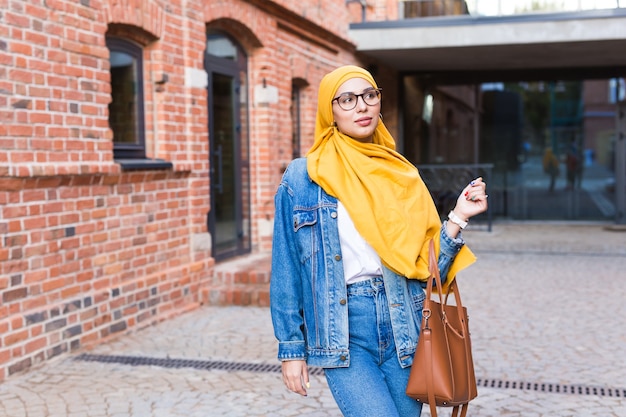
{"type": "Point", "coordinates": [583, 44]}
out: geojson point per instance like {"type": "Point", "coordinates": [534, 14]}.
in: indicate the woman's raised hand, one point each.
{"type": "Point", "coordinates": [472, 200]}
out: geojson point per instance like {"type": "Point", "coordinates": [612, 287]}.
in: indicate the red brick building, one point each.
{"type": "Point", "coordinates": [141, 141]}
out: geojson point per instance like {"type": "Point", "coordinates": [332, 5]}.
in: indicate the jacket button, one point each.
{"type": "Point", "coordinates": [337, 257]}
{"type": "Point", "coordinates": [333, 214]}
{"type": "Point", "coordinates": [342, 358]}
{"type": "Point", "coordinates": [343, 301]}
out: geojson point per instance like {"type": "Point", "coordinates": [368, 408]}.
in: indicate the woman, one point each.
{"type": "Point", "coordinates": [350, 252]}
{"type": "Point", "coordinates": [550, 166]}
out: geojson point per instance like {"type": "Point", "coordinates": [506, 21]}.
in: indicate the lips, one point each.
{"type": "Point", "coordinates": [363, 121]}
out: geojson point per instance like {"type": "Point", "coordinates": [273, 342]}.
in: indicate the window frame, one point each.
{"type": "Point", "coordinates": [296, 134]}
{"type": "Point", "coordinates": [136, 150]}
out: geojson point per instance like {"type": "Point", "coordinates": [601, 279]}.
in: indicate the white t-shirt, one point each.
{"type": "Point", "coordinates": [360, 261]}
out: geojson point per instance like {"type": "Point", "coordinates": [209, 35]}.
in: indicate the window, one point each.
{"type": "Point", "coordinates": [617, 90]}
{"type": "Point", "coordinates": [221, 46]}
{"type": "Point", "coordinates": [426, 8]}
{"type": "Point", "coordinates": [295, 120]}
{"type": "Point", "coordinates": [126, 110]}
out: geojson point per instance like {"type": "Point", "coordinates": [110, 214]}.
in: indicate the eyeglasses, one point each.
{"type": "Point", "coordinates": [348, 101]}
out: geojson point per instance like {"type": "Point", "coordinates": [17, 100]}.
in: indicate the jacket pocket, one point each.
{"type": "Point", "coordinates": [304, 218]}
{"type": "Point", "coordinates": [305, 224]}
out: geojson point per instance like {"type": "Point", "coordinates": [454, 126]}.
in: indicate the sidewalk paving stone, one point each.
{"type": "Point", "coordinates": [546, 307]}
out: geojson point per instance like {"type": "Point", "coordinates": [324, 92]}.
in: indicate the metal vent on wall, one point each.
{"type": "Point", "coordinates": [572, 389]}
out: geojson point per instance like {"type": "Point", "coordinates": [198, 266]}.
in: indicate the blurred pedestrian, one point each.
{"type": "Point", "coordinates": [551, 166]}
{"type": "Point", "coordinates": [574, 166]}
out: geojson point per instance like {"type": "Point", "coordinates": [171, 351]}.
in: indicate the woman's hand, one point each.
{"type": "Point", "coordinates": [296, 376]}
{"type": "Point", "coordinates": [472, 200]}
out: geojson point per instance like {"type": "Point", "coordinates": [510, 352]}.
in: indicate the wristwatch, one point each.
{"type": "Point", "coordinates": [457, 220]}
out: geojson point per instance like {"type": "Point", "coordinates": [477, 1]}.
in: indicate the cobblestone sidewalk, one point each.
{"type": "Point", "coordinates": [547, 314]}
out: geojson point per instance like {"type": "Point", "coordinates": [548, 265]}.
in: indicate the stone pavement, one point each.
{"type": "Point", "coordinates": [547, 313]}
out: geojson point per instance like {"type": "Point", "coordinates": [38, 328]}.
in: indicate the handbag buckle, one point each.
{"type": "Point", "coordinates": [426, 313]}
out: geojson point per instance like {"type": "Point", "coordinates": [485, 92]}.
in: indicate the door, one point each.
{"type": "Point", "coordinates": [620, 163]}
{"type": "Point", "coordinates": [228, 219]}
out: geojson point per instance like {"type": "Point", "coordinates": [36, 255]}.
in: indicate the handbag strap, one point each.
{"type": "Point", "coordinates": [426, 331]}
{"type": "Point", "coordinates": [433, 268]}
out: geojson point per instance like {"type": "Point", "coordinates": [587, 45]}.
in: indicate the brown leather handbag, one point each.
{"type": "Point", "coordinates": [443, 369]}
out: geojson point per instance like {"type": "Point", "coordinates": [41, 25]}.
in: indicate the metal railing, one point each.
{"type": "Point", "coordinates": [511, 7]}
{"type": "Point", "coordinates": [427, 8]}
{"type": "Point", "coordinates": [445, 182]}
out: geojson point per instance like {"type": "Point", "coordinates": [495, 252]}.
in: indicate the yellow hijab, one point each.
{"type": "Point", "coordinates": [381, 190]}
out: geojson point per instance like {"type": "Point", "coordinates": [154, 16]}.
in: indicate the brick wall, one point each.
{"type": "Point", "coordinates": [88, 250]}
{"type": "Point", "coordinates": [85, 257]}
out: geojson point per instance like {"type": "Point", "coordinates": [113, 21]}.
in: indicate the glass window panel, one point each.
{"type": "Point", "coordinates": [123, 106]}
{"type": "Point", "coordinates": [126, 115]}
{"type": "Point", "coordinates": [220, 46]}
{"type": "Point", "coordinates": [512, 130]}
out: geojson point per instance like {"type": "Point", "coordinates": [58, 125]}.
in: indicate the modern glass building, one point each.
{"type": "Point", "coordinates": [522, 96]}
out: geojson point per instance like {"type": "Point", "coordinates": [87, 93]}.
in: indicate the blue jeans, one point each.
{"type": "Point", "coordinates": [374, 384]}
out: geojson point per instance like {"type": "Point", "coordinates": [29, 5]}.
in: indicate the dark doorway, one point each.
{"type": "Point", "coordinates": [229, 217]}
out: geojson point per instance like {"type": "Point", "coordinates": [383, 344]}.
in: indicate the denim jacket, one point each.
{"type": "Point", "coordinates": [308, 294]}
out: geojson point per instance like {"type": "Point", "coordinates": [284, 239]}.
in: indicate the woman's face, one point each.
{"type": "Point", "coordinates": [360, 122]}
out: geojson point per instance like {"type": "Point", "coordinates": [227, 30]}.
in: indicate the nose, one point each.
{"type": "Point", "coordinates": [360, 103]}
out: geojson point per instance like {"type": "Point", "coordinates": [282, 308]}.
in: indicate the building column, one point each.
{"type": "Point", "coordinates": [620, 164]}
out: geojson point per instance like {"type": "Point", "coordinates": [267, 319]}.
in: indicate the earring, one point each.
{"type": "Point", "coordinates": [380, 115]}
